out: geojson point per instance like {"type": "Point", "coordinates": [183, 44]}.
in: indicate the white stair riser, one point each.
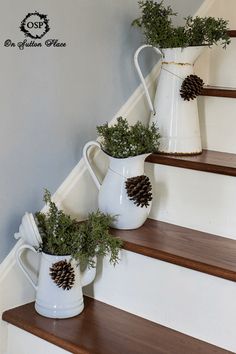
{"type": "Point", "coordinates": [22, 342]}
{"type": "Point", "coordinates": [222, 63]}
{"type": "Point", "coordinates": [218, 123]}
{"type": "Point", "coordinates": [194, 199]}
{"type": "Point", "coordinates": [216, 66]}
{"type": "Point", "coordinates": [194, 303]}
{"type": "Point", "coordinates": [225, 9]}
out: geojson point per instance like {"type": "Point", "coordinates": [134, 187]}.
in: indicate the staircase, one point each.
{"type": "Point", "coordinates": [174, 290]}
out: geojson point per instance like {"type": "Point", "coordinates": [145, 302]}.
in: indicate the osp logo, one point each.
{"type": "Point", "coordinates": [35, 25]}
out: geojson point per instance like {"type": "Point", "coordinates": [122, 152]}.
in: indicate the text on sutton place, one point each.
{"type": "Point", "coordinates": [32, 44]}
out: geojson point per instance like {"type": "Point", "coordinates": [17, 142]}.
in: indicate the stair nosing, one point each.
{"type": "Point", "coordinates": [202, 162]}
{"type": "Point", "coordinates": [142, 241]}
{"type": "Point", "coordinates": [185, 262]}
{"type": "Point", "coordinates": [232, 33]}
{"type": "Point", "coordinates": [218, 91]}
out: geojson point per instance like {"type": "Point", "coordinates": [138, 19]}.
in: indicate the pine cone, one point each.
{"type": "Point", "coordinates": [63, 274]}
{"type": "Point", "coordinates": [139, 190]}
{"type": "Point", "coordinates": [191, 87]}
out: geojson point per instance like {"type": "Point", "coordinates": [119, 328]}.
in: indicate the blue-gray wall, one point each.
{"type": "Point", "coordinates": [51, 99]}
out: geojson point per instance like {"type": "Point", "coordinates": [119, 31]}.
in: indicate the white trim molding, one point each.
{"type": "Point", "coordinates": [204, 8]}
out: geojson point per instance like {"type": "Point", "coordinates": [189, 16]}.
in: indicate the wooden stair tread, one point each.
{"type": "Point", "coordinates": [207, 253]}
{"type": "Point", "coordinates": [232, 33]}
{"type": "Point", "coordinates": [209, 161]}
{"type": "Point", "coordinates": [219, 91]}
{"type": "Point", "coordinates": [103, 329]}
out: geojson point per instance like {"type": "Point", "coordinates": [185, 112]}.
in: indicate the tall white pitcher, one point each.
{"type": "Point", "coordinates": [177, 119]}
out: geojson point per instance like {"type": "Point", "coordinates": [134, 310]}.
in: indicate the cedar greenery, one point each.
{"type": "Point", "coordinates": [157, 26]}
{"type": "Point", "coordinates": [122, 140]}
{"type": "Point", "coordinates": [62, 235]}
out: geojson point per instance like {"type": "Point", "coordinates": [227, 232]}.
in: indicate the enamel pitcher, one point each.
{"type": "Point", "coordinates": [51, 300]}
{"type": "Point", "coordinates": [112, 194]}
{"type": "Point", "coordinates": [177, 119]}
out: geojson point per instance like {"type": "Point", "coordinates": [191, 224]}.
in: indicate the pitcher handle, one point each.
{"type": "Point", "coordinates": [91, 171]}
{"type": "Point", "coordinates": [21, 264]}
{"type": "Point", "coordinates": [89, 274]}
{"type": "Point", "coordinates": [141, 75]}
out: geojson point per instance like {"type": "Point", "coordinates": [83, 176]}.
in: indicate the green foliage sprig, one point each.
{"type": "Point", "coordinates": [122, 140]}
{"type": "Point", "coordinates": [207, 30]}
{"type": "Point", "coordinates": [96, 240]}
{"type": "Point", "coordinates": [62, 235]}
{"type": "Point", "coordinates": [157, 26]}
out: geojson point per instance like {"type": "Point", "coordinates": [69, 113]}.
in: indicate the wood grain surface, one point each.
{"type": "Point", "coordinates": [185, 247]}
{"type": "Point", "coordinates": [209, 161]}
{"type": "Point", "coordinates": [218, 91]}
{"type": "Point", "coordinates": [103, 329]}
{"type": "Point", "coordinates": [232, 33]}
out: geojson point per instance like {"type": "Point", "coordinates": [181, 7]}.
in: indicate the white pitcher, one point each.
{"type": "Point", "coordinates": [177, 119]}
{"type": "Point", "coordinates": [113, 197]}
{"type": "Point", "coordinates": [52, 301]}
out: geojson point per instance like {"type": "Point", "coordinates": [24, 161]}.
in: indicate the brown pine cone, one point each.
{"type": "Point", "coordinates": [63, 274]}
{"type": "Point", "coordinates": [191, 87]}
{"type": "Point", "coordinates": [139, 190]}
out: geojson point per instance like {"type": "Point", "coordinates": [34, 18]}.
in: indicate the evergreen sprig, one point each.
{"type": "Point", "coordinates": [96, 240]}
{"type": "Point", "coordinates": [122, 140]}
{"type": "Point", "coordinates": [207, 30]}
{"type": "Point", "coordinates": [157, 26]}
{"type": "Point", "coordinates": [62, 235]}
